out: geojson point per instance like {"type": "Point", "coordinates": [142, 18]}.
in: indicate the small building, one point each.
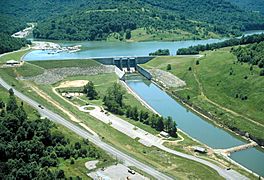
{"type": "Point", "coordinates": [67, 95]}
{"type": "Point", "coordinates": [12, 62]}
{"type": "Point", "coordinates": [164, 134]}
{"type": "Point", "coordinates": [199, 149]}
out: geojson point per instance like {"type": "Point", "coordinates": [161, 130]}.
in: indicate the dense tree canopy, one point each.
{"type": "Point", "coordinates": [28, 147]}
{"type": "Point", "coordinates": [9, 43]}
{"type": "Point", "coordinates": [231, 42]}
{"type": "Point", "coordinates": [113, 100]}
{"type": "Point", "coordinates": [256, 6]}
{"type": "Point", "coordinates": [8, 26]}
{"type": "Point", "coordinates": [160, 52]}
{"type": "Point", "coordinates": [95, 20]}
{"type": "Point", "coordinates": [210, 16]}
{"type": "Point", "coordinates": [90, 91]}
{"type": "Point", "coordinates": [252, 54]}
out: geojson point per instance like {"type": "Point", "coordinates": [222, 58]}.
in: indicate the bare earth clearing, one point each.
{"type": "Point", "coordinates": [76, 83]}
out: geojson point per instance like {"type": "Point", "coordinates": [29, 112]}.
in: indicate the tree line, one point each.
{"type": "Point", "coordinates": [252, 54]}
{"type": "Point", "coordinates": [160, 52]}
{"type": "Point", "coordinates": [8, 26]}
{"type": "Point", "coordinates": [113, 100]}
{"type": "Point", "coordinates": [9, 43]}
{"type": "Point", "coordinates": [29, 148]}
{"type": "Point", "coordinates": [256, 38]}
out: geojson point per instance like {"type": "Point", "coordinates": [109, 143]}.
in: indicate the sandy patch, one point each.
{"type": "Point", "coordinates": [91, 164]}
{"type": "Point", "coordinates": [76, 83]}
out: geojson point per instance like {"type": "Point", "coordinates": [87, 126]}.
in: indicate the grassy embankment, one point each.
{"type": "Point", "coordinates": [70, 170]}
{"type": "Point", "coordinates": [214, 84]}
{"type": "Point", "coordinates": [165, 162]}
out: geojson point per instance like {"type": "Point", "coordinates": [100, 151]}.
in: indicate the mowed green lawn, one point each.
{"type": "Point", "coordinates": [13, 55]}
{"type": "Point", "coordinates": [213, 73]}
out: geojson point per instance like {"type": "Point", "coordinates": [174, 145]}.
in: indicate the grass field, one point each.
{"type": "Point", "coordinates": [49, 64]}
{"type": "Point", "coordinates": [28, 70]}
{"type": "Point", "coordinates": [211, 87]}
{"type": "Point", "coordinates": [13, 55]}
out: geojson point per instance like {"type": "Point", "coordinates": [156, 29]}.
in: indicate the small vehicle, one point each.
{"type": "Point", "coordinates": [131, 171]}
{"type": "Point", "coordinates": [41, 107]}
{"type": "Point", "coordinates": [228, 169]}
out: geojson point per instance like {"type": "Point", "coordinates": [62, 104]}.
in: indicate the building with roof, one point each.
{"type": "Point", "coordinates": [164, 134]}
{"type": "Point", "coordinates": [199, 149]}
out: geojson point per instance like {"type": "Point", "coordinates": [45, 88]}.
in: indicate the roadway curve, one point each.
{"type": "Point", "coordinates": [120, 155]}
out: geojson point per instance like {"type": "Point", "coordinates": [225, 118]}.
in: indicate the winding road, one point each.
{"type": "Point", "coordinates": [108, 148]}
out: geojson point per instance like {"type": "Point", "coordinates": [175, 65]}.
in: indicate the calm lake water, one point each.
{"type": "Point", "coordinates": [113, 49]}
{"type": "Point", "coordinates": [194, 125]}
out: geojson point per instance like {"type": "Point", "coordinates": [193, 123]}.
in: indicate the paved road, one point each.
{"type": "Point", "coordinates": [120, 155]}
{"type": "Point", "coordinates": [81, 132]}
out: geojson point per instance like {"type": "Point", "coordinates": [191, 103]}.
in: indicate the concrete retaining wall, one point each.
{"type": "Point", "coordinates": [143, 60]}
{"type": "Point", "coordinates": [144, 72]}
{"type": "Point", "coordinates": [106, 61]}
{"type": "Point", "coordinates": [119, 73]}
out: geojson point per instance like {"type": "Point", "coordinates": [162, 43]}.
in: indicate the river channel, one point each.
{"type": "Point", "coordinates": [194, 125]}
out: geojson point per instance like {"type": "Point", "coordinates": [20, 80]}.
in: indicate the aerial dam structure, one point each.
{"type": "Point", "coordinates": [128, 64]}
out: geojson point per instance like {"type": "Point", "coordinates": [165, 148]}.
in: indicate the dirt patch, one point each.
{"type": "Point", "coordinates": [91, 164]}
{"type": "Point", "coordinates": [76, 83]}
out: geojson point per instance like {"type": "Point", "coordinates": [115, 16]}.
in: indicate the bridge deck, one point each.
{"type": "Point", "coordinates": [238, 148]}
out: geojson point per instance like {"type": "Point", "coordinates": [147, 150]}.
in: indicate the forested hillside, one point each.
{"type": "Point", "coordinates": [8, 26]}
{"type": "Point", "coordinates": [251, 5]}
{"type": "Point", "coordinates": [33, 148]}
{"type": "Point", "coordinates": [202, 19]}
{"type": "Point", "coordinates": [96, 20]}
